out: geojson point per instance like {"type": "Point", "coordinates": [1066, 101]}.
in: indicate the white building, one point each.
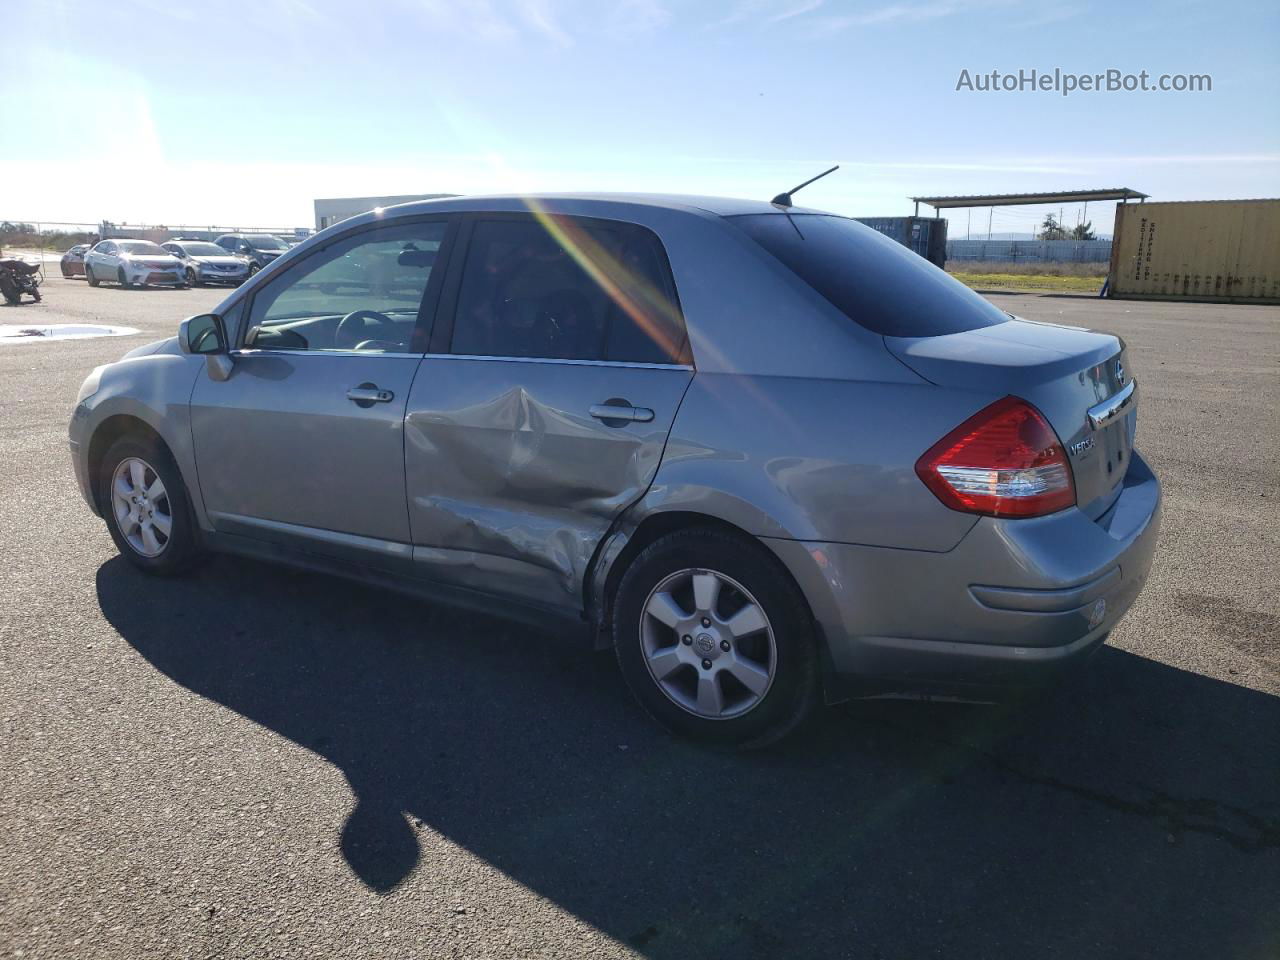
{"type": "Point", "coordinates": [329, 212]}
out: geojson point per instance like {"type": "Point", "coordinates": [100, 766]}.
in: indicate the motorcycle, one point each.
{"type": "Point", "coordinates": [18, 277]}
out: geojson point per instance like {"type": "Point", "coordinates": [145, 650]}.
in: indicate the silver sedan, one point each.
{"type": "Point", "coordinates": [208, 263]}
{"type": "Point", "coordinates": [133, 263]}
{"type": "Point", "coordinates": [765, 454]}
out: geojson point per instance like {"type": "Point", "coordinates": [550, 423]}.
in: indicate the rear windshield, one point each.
{"type": "Point", "coordinates": [876, 282]}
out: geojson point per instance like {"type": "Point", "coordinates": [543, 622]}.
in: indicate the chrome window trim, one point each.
{"type": "Point", "coordinates": [574, 363]}
{"type": "Point", "coordinates": [1103, 413]}
{"type": "Point", "coordinates": [251, 352]}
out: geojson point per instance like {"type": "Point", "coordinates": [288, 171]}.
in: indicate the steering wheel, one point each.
{"type": "Point", "coordinates": [352, 329]}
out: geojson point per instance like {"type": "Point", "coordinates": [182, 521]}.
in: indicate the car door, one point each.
{"type": "Point", "coordinates": [303, 442]}
{"type": "Point", "coordinates": [557, 366]}
{"type": "Point", "coordinates": [102, 259]}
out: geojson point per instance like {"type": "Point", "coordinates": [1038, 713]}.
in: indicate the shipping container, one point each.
{"type": "Point", "coordinates": [1220, 251]}
{"type": "Point", "coordinates": [927, 236]}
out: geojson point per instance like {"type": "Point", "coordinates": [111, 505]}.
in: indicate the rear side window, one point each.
{"type": "Point", "coordinates": [874, 281]}
{"type": "Point", "coordinates": [564, 288]}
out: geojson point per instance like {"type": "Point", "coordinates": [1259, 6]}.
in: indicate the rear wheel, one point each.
{"type": "Point", "coordinates": [715, 640]}
{"type": "Point", "coordinates": [146, 507]}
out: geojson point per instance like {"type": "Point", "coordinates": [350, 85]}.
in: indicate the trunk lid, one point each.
{"type": "Point", "coordinates": [1066, 372]}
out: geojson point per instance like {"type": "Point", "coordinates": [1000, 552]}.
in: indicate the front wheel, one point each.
{"type": "Point", "coordinates": [715, 640]}
{"type": "Point", "coordinates": [253, 268]}
{"type": "Point", "coordinates": [191, 277]}
{"type": "Point", "coordinates": [88, 275]}
{"type": "Point", "coordinates": [146, 507]}
{"type": "Point", "coordinates": [124, 281]}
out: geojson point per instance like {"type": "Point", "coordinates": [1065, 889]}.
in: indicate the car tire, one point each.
{"type": "Point", "coordinates": [124, 281]}
{"type": "Point", "coordinates": [89, 277]}
{"type": "Point", "coordinates": [689, 647]}
{"type": "Point", "coordinates": [253, 268]}
{"type": "Point", "coordinates": [192, 280]}
{"type": "Point", "coordinates": [139, 529]}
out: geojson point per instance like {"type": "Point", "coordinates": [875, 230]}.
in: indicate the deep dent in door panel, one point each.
{"type": "Point", "coordinates": [495, 501]}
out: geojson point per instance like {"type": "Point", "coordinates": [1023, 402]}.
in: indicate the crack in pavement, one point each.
{"type": "Point", "coordinates": [1178, 815]}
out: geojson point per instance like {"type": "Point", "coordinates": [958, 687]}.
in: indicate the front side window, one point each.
{"type": "Point", "coordinates": [363, 292]}
{"type": "Point", "coordinates": [567, 289]}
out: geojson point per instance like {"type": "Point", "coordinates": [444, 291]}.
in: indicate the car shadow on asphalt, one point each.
{"type": "Point", "coordinates": [1133, 811]}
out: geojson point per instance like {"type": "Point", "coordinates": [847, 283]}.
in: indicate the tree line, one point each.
{"type": "Point", "coordinates": [27, 235]}
{"type": "Point", "coordinates": [1051, 229]}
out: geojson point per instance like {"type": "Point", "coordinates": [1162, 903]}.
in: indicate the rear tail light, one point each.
{"type": "Point", "coordinates": [1004, 461]}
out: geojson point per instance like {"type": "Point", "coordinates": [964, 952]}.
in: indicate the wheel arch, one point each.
{"type": "Point", "coordinates": [108, 432]}
{"type": "Point", "coordinates": [618, 550]}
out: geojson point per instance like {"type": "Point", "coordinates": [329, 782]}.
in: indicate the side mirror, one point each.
{"type": "Point", "coordinates": [203, 334]}
{"type": "Point", "coordinates": [206, 336]}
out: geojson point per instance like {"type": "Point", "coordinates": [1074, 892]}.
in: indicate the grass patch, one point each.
{"type": "Point", "coordinates": [1025, 281]}
{"type": "Point", "coordinates": [1039, 268]}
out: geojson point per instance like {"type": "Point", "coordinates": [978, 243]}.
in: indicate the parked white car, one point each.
{"type": "Point", "coordinates": [133, 263]}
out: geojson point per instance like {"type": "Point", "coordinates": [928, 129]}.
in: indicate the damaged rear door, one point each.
{"type": "Point", "coordinates": [559, 360]}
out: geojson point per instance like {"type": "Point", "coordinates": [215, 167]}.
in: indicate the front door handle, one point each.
{"type": "Point", "coordinates": [621, 412]}
{"type": "Point", "coordinates": [367, 394]}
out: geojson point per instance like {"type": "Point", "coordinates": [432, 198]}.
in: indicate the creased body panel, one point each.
{"type": "Point", "coordinates": [512, 482]}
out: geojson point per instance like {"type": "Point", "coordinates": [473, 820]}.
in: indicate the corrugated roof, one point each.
{"type": "Point", "coordinates": [1015, 199]}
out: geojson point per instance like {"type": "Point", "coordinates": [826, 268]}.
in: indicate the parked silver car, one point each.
{"type": "Point", "coordinates": [208, 263]}
{"type": "Point", "coordinates": [765, 454]}
{"type": "Point", "coordinates": [133, 263]}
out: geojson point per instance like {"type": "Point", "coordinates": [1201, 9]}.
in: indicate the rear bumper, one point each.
{"type": "Point", "coordinates": [1014, 603]}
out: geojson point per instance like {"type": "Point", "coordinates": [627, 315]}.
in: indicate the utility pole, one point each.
{"type": "Point", "coordinates": [990, 212]}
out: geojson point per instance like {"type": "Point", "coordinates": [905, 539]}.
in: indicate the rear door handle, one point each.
{"type": "Point", "coordinates": [615, 411]}
{"type": "Point", "coordinates": [367, 394]}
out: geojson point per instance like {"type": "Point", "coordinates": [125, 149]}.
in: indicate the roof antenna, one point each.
{"type": "Point", "coordinates": [784, 199]}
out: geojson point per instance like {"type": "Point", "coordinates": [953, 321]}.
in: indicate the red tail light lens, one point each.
{"type": "Point", "coordinates": [1004, 461]}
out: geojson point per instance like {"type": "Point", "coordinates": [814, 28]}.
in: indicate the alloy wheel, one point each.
{"type": "Point", "coordinates": [141, 506]}
{"type": "Point", "coordinates": [708, 643]}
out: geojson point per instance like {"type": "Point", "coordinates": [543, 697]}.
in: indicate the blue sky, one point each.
{"type": "Point", "coordinates": [168, 111]}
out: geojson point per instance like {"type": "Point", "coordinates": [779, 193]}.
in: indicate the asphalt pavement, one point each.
{"type": "Point", "coordinates": [253, 762]}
